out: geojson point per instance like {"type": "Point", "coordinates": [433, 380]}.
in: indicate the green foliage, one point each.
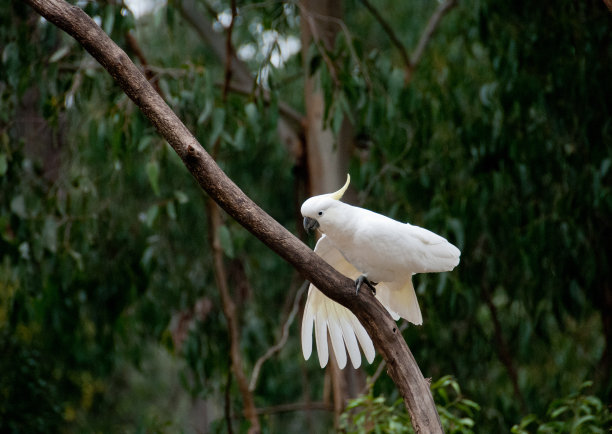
{"type": "Point", "coordinates": [576, 413]}
{"type": "Point", "coordinates": [372, 414]}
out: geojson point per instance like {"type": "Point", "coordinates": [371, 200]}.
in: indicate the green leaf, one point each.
{"type": "Point", "coordinates": [171, 210]}
{"type": "Point", "coordinates": [181, 197]}
{"type": "Point", "coordinates": [49, 234]}
{"type": "Point", "coordinates": [147, 256]}
{"type": "Point", "coordinates": [109, 19]}
{"type": "Point", "coordinates": [337, 118]}
{"type": "Point", "coordinates": [144, 143]}
{"type": "Point", "coordinates": [78, 258]}
{"type": "Point", "coordinates": [3, 164]}
{"type": "Point", "coordinates": [206, 111]}
{"type": "Point", "coordinates": [225, 238]}
{"type": "Point", "coordinates": [61, 52]}
{"type": "Point", "coordinates": [153, 174]}
{"type": "Point", "coordinates": [238, 140]}
{"type": "Point", "coordinates": [251, 113]}
{"type": "Point", "coordinates": [18, 206]}
{"type": "Point", "coordinates": [218, 123]}
{"type": "Point", "coordinates": [151, 216]}
{"type": "Point", "coordinates": [558, 411]}
{"type": "Point", "coordinates": [24, 250]}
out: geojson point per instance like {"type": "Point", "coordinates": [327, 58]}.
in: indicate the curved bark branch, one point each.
{"type": "Point", "coordinates": [431, 27]}
{"type": "Point", "coordinates": [389, 30]}
{"type": "Point", "coordinates": [384, 331]}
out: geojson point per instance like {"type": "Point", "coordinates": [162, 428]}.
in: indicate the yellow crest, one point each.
{"type": "Point", "coordinates": [338, 195]}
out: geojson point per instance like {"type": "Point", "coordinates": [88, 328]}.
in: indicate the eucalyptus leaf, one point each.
{"type": "Point", "coordinates": [225, 238]}
{"type": "Point", "coordinates": [152, 169]}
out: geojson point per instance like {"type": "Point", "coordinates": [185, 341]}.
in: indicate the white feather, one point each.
{"type": "Point", "coordinates": [321, 337]}
{"type": "Point", "coordinates": [307, 324]}
{"type": "Point", "coordinates": [336, 333]}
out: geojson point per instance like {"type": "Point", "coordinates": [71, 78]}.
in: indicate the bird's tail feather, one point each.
{"type": "Point", "coordinates": [402, 298]}
{"type": "Point", "coordinates": [345, 330]}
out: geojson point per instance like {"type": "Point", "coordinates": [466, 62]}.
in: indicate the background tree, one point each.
{"type": "Point", "coordinates": [500, 139]}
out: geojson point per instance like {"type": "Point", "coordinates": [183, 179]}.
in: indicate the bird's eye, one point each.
{"type": "Point", "coordinates": [320, 212]}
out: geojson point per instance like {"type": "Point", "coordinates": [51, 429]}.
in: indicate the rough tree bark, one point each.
{"type": "Point", "coordinates": [402, 367]}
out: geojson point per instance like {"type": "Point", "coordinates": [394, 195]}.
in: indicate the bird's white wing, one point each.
{"type": "Point", "coordinates": [428, 252]}
{"type": "Point", "coordinates": [324, 315]}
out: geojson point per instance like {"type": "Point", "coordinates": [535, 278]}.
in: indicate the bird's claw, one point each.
{"type": "Point", "coordinates": [361, 280]}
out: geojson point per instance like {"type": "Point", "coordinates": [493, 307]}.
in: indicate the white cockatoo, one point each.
{"type": "Point", "coordinates": [372, 249]}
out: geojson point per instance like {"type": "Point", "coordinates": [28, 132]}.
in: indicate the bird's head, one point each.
{"type": "Point", "coordinates": [319, 211]}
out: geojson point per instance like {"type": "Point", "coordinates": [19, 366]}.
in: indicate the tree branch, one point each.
{"type": "Point", "coordinates": [432, 24]}
{"type": "Point", "coordinates": [229, 311]}
{"type": "Point", "coordinates": [214, 40]}
{"type": "Point", "coordinates": [503, 351]}
{"type": "Point", "coordinates": [229, 51]}
{"type": "Point", "coordinates": [290, 127]}
{"type": "Point", "coordinates": [133, 46]}
{"type": "Point", "coordinates": [282, 341]}
{"type": "Point", "coordinates": [402, 367]}
{"type": "Point", "coordinates": [389, 30]}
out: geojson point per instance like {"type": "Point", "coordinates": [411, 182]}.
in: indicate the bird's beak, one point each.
{"type": "Point", "coordinates": [310, 224]}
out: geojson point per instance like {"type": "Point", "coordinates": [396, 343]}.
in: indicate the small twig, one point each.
{"type": "Point", "coordinates": [322, 49]}
{"type": "Point", "coordinates": [503, 351]}
{"type": "Point", "coordinates": [294, 117]}
{"type": "Point", "coordinates": [347, 35]}
{"type": "Point", "coordinates": [229, 51]}
{"type": "Point", "coordinates": [283, 339]}
{"type": "Point", "coordinates": [229, 310]}
{"type": "Point", "coordinates": [432, 24]}
{"type": "Point", "coordinates": [133, 46]}
{"type": "Point", "coordinates": [284, 109]}
{"type": "Point", "coordinates": [389, 30]}
{"type": "Point", "coordinates": [227, 407]}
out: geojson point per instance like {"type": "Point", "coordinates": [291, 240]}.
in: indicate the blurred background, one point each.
{"type": "Point", "coordinates": [130, 303]}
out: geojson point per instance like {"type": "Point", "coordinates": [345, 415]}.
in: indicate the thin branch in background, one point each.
{"type": "Point", "coordinates": [389, 30]}
{"type": "Point", "coordinates": [227, 405]}
{"type": "Point", "coordinates": [201, 25]}
{"type": "Point", "coordinates": [290, 131]}
{"type": "Point", "coordinates": [229, 51]}
{"type": "Point", "coordinates": [283, 339]}
{"type": "Point", "coordinates": [310, 15]}
{"type": "Point", "coordinates": [503, 351]}
{"type": "Point", "coordinates": [322, 50]}
{"type": "Point", "coordinates": [411, 62]}
{"type": "Point", "coordinates": [134, 47]}
{"type": "Point", "coordinates": [229, 311]}
{"type": "Point", "coordinates": [296, 118]}
{"type": "Point", "coordinates": [432, 24]}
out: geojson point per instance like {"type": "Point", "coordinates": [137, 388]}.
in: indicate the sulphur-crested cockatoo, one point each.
{"type": "Point", "coordinates": [374, 250]}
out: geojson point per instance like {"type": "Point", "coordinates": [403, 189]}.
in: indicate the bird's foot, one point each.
{"type": "Point", "coordinates": [363, 279]}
